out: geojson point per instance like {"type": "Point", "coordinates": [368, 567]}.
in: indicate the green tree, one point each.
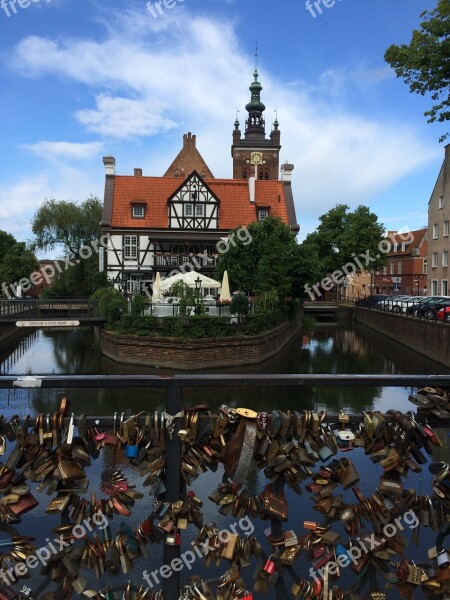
{"type": "Point", "coordinates": [239, 306]}
{"type": "Point", "coordinates": [424, 64]}
{"type": "Point", "coordinates": [307, 268]}
{"type": "Point", "coordinates": [347, 237]}
{"type": "Point", "coordinates": [75, 227]}
{"type": "Point", "coordinates": [266, 263]}
{"type": "Point", "coordinates": [17, 261]}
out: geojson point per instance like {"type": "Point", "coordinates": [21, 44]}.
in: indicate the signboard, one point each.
{"type": "Point", "coordinates": [47, 323]}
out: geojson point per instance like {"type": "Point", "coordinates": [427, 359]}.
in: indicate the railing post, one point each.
{"type": "Point", "coordinates": [171, 585]}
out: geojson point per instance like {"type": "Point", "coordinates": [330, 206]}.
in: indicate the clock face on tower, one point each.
{"type": "Point", "coordinates": [256, 158]}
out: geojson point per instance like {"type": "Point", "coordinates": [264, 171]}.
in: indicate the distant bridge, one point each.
{"type": "Point", "coordinates": [320, 309]}
{"type": "Point", "coordinates": [35, 312]}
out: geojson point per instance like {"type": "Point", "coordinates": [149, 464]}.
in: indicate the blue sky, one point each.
{"type": "Point", "coordinates": [81, 79]}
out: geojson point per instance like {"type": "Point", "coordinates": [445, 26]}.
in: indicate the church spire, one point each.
{"type": "Point", "coordinates": [255, 125]}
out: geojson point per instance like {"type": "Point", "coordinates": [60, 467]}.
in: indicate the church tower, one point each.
{"type": "Point", "coordinates": [254, 148]}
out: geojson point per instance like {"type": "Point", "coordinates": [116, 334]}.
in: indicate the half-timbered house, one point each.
{"type": "Point", "coordinates": [177, 221]}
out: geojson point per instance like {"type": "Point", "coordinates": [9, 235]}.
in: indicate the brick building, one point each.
{"type": "Point", "coordinates": [438, 231]}
{"type": "Point", "coordinates": [406, 269]}
{"type": "Point", "coordinates": [158, 224]}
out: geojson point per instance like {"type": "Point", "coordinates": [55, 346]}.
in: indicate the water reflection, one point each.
{"type": "Point", "coordinates": [342, 347]}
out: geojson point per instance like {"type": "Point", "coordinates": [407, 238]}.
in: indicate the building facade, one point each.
{"type": "Point", "coordinates": [407, 264]}
{"type": "Point", "coordinates": [182, 220]}
{"type": "Point", "coordinates": [438, 231]}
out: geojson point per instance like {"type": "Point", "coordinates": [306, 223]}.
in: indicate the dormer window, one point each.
{"type": "Point", "coordinates": [138, 211]}
{"type": "Point", "coordinates": [188, 210]}
{"type": "Point", "coordinates": [263, 213]}
{"type": "Point", "coordinates": [199, 210]}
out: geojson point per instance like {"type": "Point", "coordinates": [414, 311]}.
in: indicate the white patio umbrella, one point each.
{"type": "Point", "coordinates": [225, 295]}
{"type": "Point", "coordinates": [156, 287]}
{"type": "Point", "coordinates": [189, 279]}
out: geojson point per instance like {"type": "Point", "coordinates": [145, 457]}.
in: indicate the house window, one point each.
{"type": "Point", "coordinates": [384, 271]}
{"type": "Point", "coordinates": [444, 286]}
{"type": "Point", "coordinates": [425, 266]}
{"type": "Point", "coordinates": [391, 267]}
{"type": "Point", "coordinates": [133, 284]}
{"type": "Point", "coordinates": [434, 287]}
{"type": "Point", "coordinates": [138, 211]}
{"type": "Point", "coordinates": [445, 258]}
{"type": "Point", "coordinates": [188, 210]}
{"type": "Point", "coordinates": [263, 213]}
{"type": "Point", "coordinates": [395, 246]}
{"type": "Point", "coordinates": [399, 267]}
{"type": "Point", "coordinates": [199, 210]}
{"type": "Point", "coordinates": [434, 259]}
{"type": "Point", "coordinates": [446, 228]}
{"type": "Point", "coordinates": [130, 247]}
{"type": "Point", "coordinates": [441, 201]}
{"type": "Point", "coordinates": [435, 231]}
{"type": "Point", "coordinates": [403, 246]}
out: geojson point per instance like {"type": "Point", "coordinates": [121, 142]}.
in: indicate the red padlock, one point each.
{"type": "Point", "coordinates": [317, 588]}
{"type": "Point", "coordinates": [270, 566]}
{"type": "Point", "coordinates": [147, 526]}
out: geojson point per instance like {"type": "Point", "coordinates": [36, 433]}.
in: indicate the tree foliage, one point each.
{"type": "Point", "coordinates": [424, 64]}
{"type": "Point", "coordinates": [344, 236]}
{"type": "Point", "coordinates": [73, 227]}
{"type": "Point", "coordinates": [17, 261]}
{"type": "Point", "coordinates": [268, 262]}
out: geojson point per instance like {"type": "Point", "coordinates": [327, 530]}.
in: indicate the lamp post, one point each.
{"type": "Point", "coordinates": [198, 284]}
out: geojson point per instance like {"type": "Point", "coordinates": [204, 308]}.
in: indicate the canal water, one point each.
{"type": "Point", "coordinates": [342, 347]}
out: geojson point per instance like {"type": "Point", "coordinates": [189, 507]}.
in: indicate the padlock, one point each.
{"type": "Point", "coordinates": [270, 566]}
{"type": "Point", "coordinates": [325, 453]}
{"type": "Point", "coordinates": [147, 526]}
{"type": "Point", "coordinates": [173, 538]}
{"type": "Point", "coordinates": [443, 558]}
{"type": "Point", "coordinates": [131, 451]}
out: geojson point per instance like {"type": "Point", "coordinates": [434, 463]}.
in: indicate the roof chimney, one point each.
{"type": "Point", "coordinates": [251, 183]}
{"type": "Point", "coordinates": [286, 172]}
{"type": "Point", "coordinates": [138, 172]}
{"type": "Point", "coordinates": [189, 140]}
{"type": "Point", "coordinates": [110, 165]}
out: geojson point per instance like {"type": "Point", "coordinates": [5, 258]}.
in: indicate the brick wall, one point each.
{"type": "Point", "coordinates": [197, 354]}
{"type": "Point", "coordinates": [426, 337]}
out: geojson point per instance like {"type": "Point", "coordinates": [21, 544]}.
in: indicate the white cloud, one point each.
{"type": "Point", "coordinates": [62, 150]}
{"type": "Point", "coordinates": [191, 73]}
{"type": "Point", "coordinates": [125, 118]}
{"type": "Point", "coordinates": [20, 200]}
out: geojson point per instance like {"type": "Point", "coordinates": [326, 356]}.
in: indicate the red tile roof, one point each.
{"type": "Point", "coordinates": [235, 207]}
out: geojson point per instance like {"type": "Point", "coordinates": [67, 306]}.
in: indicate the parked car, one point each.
{"type": "Point", "coordinates": [443, 314]}
{"type": "Point", "coordinates": [428, 307]}
{"type": "Point", "coordinates": [396, 304]}
{"type": "Point", "coordinates": [371, 301]}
